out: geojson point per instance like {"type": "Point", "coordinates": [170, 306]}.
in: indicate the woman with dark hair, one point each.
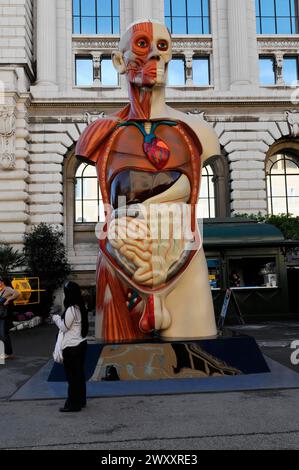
{"type": "Point", "coordinates": [7, 296]}
{"type": "Point", "coordinates": [74, 325]}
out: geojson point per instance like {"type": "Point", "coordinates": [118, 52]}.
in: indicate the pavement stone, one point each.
{"type": "Point", "coordinates": [243, 420]}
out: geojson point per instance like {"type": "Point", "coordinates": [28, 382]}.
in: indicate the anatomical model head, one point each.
{"type": "Point", "coordinates": [144, 53]}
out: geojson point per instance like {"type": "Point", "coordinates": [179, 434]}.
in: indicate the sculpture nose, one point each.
{"type": "Point", "coordinates": [154, 53]}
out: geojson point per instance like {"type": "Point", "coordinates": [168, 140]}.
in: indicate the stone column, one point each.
{"type": "Point", "coordinates": [189, 67]}
{"type": "Point", "coordinates": [142, 9]}
{"type": "Point", "coordinates": [238, 43]}
{"type": "Point", "coordinates": [96, 59]}
{"type": "Point", "coordinates": [46, 43]}
{"type": "Point", "coordinates": [279, 67]}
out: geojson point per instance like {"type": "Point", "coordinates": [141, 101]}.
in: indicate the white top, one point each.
{"type": "Point", "coordinates": [70, 326]}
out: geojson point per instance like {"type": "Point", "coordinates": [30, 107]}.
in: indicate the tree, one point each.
{"type": "Point", "coordinates": [45, 257]}
{"type": "Point", "coordinates": [286, 223]}
{"type": "Point", "coordinates": [10, 259]}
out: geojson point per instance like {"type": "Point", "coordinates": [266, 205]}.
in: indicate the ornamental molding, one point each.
{"type": "Point", "coordinates": [106, 44]}
{"type": "Point", "coordinates": [110, 44]}
{"type": "Point", "coordinates": [197, 45]}
{"type": "Point", "coordinates": [272, 44]}
{"type": "Point", "coordinates": [7, 137]}
{"type": "Point", "coordinates": [293, 121]}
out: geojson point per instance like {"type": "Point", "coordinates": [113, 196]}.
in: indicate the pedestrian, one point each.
{"type": "Point", "coordinates": [74, 326]}
{"type": "Point", "coordinates": [7, 296]}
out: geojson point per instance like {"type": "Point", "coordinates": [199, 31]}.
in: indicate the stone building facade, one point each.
{"type": "Point", "coordinates": [44, 108]}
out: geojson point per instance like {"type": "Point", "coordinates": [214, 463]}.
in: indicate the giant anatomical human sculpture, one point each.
{"type": "Point", "coordinates": [149, 161]}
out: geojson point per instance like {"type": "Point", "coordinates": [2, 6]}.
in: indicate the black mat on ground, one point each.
{"type": "Point", "coordinates": [241, 353]}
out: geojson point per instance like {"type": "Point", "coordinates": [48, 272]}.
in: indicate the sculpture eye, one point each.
{"type": "Point", "coordinates": [162, 45]}
{"type": "Point", "coordinates": [142, 43]}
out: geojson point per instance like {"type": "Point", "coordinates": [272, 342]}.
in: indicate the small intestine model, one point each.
{"type": "Point", "coordinates": [152, 273]}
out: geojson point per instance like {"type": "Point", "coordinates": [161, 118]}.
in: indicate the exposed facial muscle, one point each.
{"type": "Point", "coordinates": [145, 50]}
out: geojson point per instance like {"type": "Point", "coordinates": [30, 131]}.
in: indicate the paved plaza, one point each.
{"type": "Point", "coordinates": [266, 419]}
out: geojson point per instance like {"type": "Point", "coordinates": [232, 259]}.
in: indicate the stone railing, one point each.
{"type": "Point", "coordinates": [185, 46]}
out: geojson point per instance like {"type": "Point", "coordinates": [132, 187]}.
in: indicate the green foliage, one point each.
{"type": "Point", "coordinates": [287, 224]}
{"type": "Point", "coordinates": [10, 259]}
{"type": "Point", "coordinates": [45, 257]}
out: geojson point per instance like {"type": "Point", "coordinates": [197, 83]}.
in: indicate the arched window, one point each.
{"type": "Point", "coordinates": [283, 184]}
{"type": "Point", "coordinates": [206, 203]}
{"type": "Point", "coordinates": [89, 205]}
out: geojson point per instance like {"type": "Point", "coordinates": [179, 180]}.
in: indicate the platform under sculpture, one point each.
{"type": "Point", "coordinates": [157, 360]}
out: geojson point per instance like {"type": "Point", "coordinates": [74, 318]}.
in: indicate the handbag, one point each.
{"type": "Point", "coordinates": [57, 354]}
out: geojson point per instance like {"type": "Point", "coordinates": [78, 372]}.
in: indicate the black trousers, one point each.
{"type": "Point", "coordinates": [5, 325]}
{"type": "Point", "coordinates": [74, 360]}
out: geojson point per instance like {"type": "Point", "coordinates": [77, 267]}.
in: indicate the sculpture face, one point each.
{"type": "Point", "coordinates": [145, 51]}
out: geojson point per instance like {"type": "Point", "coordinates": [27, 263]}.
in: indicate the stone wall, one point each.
{"type": "Point", "coordinates": [43, 113]}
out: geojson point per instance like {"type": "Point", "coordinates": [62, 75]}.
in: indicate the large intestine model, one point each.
{"type": "Point", "coordinates": [152, 272]}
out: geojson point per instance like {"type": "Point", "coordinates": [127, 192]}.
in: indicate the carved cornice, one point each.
{"type": "Point", "coordinates": [95, 43]}
{"type": "Point", "coordinates": [111, 43]}
{"type": "Point", "coordinates": [271, 44]}
{"type": "Point", "coordinates": [197, 45]}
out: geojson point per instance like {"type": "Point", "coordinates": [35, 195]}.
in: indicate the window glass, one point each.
{"type": "Point", "coordinates": [290, 70]}
{"type": "Point", "coordinates": [88, 201]}
{"type": "Point", "coordinates": [252, 272]}
{"type": "Point", "coordinates": [268, 26]}
{"type": "Point", "coordinates": [88, 8]}
{"type": "Point", "coordinates": [201, 73]}
{"type": "Point", "coordinates": [277, 16]}
{"type": "Point", "coordinates": [194, 8]}
{"type": "Point", "coordinates": [283, 184]}
{"type": "Point", "coordinates": [283, 8]}
{"type": "Point", "coordinates": [96, 16]}
{"type": "Point", "coordinates": [115, 6]}
{"type": "Point", "coordinates": [88, 25]}
{"type": "Point", "coordinates": [284, 26]}
{"type": "Point", "coordinates": [267, 8]}
{"type": "Point", "coordinates": [187, 16]}
{"type": "Point", "coordinates": [206, 7]}
{"type": "Point", "coordinates": [195, 25]}
{"type": "Point", "coordinates": [267, 73]}
{"type": "Point", "coordinates": [104, 8]}
{"type": "Point", "coordinates": [109, 76]}
{"type": "Point", "coordinates": [76, 25]}
{"type": "Point", "coordinates": [104, 26]}
{"type": "Point", "coordinates": [179, 25]}
{"type": "Point", "coordinates": [206, 201]}
{"type": "Point", "coordinates": [178, 7]}
{"type": "Point", "coordinates": [76, 7]}
{"type": "Point", "coordinates": [84, 71]}
{"type": "Point", "coordinates": [176, 72]}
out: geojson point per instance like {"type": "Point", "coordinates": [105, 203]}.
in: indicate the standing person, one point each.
{"type": "Point", "coordinates": [7, 296]}
{"type": "Point", "coordinates": [74, 325]}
